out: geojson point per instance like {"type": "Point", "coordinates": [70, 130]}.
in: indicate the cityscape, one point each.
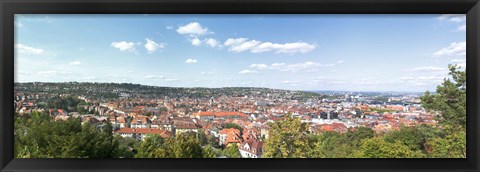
{"type": "Point", "coordinates": [223, 95]}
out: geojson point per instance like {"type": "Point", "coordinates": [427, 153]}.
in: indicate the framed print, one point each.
{"type": "Point", "coordinates": [235, 86]}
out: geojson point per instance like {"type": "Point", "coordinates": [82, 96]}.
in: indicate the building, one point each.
{"type": "Point", "coordinates": [185, 127]}
{"type": "Point", "coordinates": [219, 115]}
{"type": "Point", "coordinates": [251, 148]}
{"type": "Point", "coordinates": [140, 133]}
{"type": "Point", "coordinates": [140, 122]}
{"type": "Point", "coordinates": [228, 136]}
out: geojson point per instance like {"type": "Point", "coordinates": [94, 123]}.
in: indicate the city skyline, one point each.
{"type": "Point", "coordinates": [294, 52]}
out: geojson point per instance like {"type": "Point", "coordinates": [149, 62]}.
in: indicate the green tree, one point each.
{"type": "Point", "coordinates": [377, 147]}
{"type": "Point", "coordinates": [409, 136]}
{"type": "Point", "coordinates": [325, 145]}
{"type": "Point", "coordinates": [183, 146]}
{"type": "Point", "coordinates": [232, 125]}
{"type": "Point", "coordinates": [356, 136]}
{"type": "Point", "coordinates": [202, 137]}
{"type": "Point", "coordinates": [453, 145]}
{"type": "Point", "coordinates": [287, 139]}
{"type": "Point", "coordinates": [148, 114]}
{"type": "Point", "coordinates": [149, 145]}
{"type": "Point", "coordinates": [208, 152]}
{"type": "Point", "coordinates": [126, 147]}
{"type": "Point", "coordinates": [450, 99]}
{"type": "Point", "coordinates": [39, 136]}
{"type": "Point", "coordinates": [231, 151]}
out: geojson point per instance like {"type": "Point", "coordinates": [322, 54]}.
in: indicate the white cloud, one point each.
{"type": "Point", "coordinates": [75, 63]}
{"type": "Point", "coordinates": [244, 46]}
{"type": "Point", "coordinates": [420, 84]}
{"type": "Point", "coordinates": [154, 77]}
{"type": "Point", "coordinates": [454, 49]}
{"type": "Point", "coordinates": [124, 46]}
{"type": "Point", "coordinates": [211, 42]}
{"type": "Point", "coordinates": [48, 72]}
{"type": "Point", "coordinates": [169, 27]}
{"type": "Point", "coordinates": [457, 60]}
{"type": "Point", "coordinates": [191, 61]}
{"type": "Point", "coordinates": [246, 71]}
{"type": "Point", "coordinates": [171, 80]}
{"type": "Point", "coordinates": [152, 46]}
{"type": "Point", "coordinates": [27, 50]}
{"type": "Point", "coordinates": [89, 78]}
{"type": "Point", "coordinates": [422, 79]}
{"type": "Point", "coordinates": [234, 41]}
{"type": "Point", "coordinates": [300, 66]}
{"type": "Point", "coordinates": [452, 17]}
{"type": "Point", "coordinates": [462, 28]}
{"type": "Point", "coordinates": [192, 29]}
{"type": "Point", "coordinates": [367, 82]}
{"type": "Point", "coordinates": [407, 78]}
{"type": "Point", "coordinates": [427, 68]}
{"type": "Point", "coordinates": [207, 73]}
{"type": "Point", "coordinates": [305, 66]}
{"type": "Point", "coordinates": [18, 24]}
{"type": "Point", "coordinates": [289, 82]}
{"type": "Point", "coordinates": [456, 19]}
{"type": "Point", "coordinates": [295, 47]}
{"type": "Point", "coordinates": [426, 77]}
{"type": "Point", "coordinates": [275, 65]}
{"type": "Point", "coordinates": [196, 42]}
{"type": "Point", "coordinates": [259, 66]}
{"type": "Point", "coordinates": [254, 46]}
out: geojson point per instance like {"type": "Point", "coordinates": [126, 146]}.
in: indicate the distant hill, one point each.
{"type": "Point", "coordinates": [117, 90]}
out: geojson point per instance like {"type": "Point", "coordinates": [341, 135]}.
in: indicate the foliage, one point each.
{"type": "Point", "coordinates": [208, 152]}
{"type": "Point", "coordinates": [337, 145]}
{"type": "Point", "coordinates": [450, 102]}
{"type": "Point", "coordinates": [232, 125]}
{"type": "Point", "coordinates": [408, 136]}
{"type": "Point", "coordinates": [381, 110]}
{"type": "Point", "coordinates": [184, 145]}
{"type": "Point", "coordinates": [126, 147]}
{"type": "Point", "coordinates": [148, 146]}
{"type": "Point", "coordinates": [148, 114]}
{"type": "Point", "coordinates": [453, 145]}
{"type": "Point", "coordinates": [450, 99]}
{"type": "Point", "coordinates": [39, 136]}
{"type": "Point", "coordinates": [202, 137]}
{"type": "Point", "coordinates": [287, 139]}
{"type": "Point", "coordinates": [325, 145]}
{"type": "Point", "coordinates": [377, 147]}
{"type": "Point", "coordinates": [231, 151]}
{"type": "Point", "coordinates": [68, 103]}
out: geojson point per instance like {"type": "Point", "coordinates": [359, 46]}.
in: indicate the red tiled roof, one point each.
{"type": "Point", "coordinates": [221, 114]}
{"type": "Point", "coordinates": [143, 119]}
{"type": "Point", "coordinates": [255, 146]}
{"type": "Point", "coordinates": [162, 133]}
{"type": "Point", "coordinates": [229, 131]}
{"type": "Point", "coordinates": [186, 126]}
{"type": "Point", "coordinates": [233, 135]}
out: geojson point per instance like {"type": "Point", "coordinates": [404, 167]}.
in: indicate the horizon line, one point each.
{"type": "Point", "coordinates": [225, 87]}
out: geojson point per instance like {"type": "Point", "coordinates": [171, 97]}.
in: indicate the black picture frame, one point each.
{"type": "Point", "coordinates": [10, 7]}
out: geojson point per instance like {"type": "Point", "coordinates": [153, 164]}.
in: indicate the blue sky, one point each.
{"type": "Point", "coordinates": [298, 52]}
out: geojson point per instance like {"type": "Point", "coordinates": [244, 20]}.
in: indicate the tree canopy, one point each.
{"type": "Point", "coordinates": [287, 139]}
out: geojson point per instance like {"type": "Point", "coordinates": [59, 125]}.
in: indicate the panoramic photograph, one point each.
{"type": "Point", "coordinates": [240, 86]}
